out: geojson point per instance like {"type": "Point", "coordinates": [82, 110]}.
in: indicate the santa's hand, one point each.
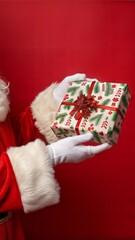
{"type": "Point", "coordinates": [60, 91]}
{"type": "Point", "coordinates": [72, 149]}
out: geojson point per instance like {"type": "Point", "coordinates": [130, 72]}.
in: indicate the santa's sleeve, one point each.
{"type": "Point", "coordinates": [44, 108]}
{"type": "Point", "coordinates": [35, 121]}
{"type": "Point", "coordinates": [34, 175]}
{"type": "Point", "coordinates": [33, 170]}
{"type": "Point", "coordinates": [10, 198]}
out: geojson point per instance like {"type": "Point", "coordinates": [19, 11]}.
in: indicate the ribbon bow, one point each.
{"type": "Point", "coordinates": [83, 106]}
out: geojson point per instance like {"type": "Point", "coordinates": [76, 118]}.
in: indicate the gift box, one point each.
{"type": "Point", "coordinates": [92, 106]}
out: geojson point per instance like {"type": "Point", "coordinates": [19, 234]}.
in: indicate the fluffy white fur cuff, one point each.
{"type": "Point", "coordinates": [35, 175]}
{"type": "Point", "coordinates": [44, 108]}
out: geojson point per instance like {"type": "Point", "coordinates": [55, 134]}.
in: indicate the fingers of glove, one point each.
{"type": "Point", "coordinates": [81, 153]}
{"type": "Point", "coordinates": [79, 139]}
{"type": "Point", "coordinates": [69, 143]}
{"type": "Point", "coordinates": [60, 91]}
{"type": "Point", "coordinates": [85, 152]}
{"type": "Point", "coordinates": [76, 77]}
{"type": "Point", "coordinates": [98, 149]}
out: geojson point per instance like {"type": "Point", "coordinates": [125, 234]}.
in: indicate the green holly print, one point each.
{"type": "Point", "coordinates": [63, 132]}
{"type": "Point", "coordinates": [97, 87]}
{"type": "Point", "coordinates": [67, 107]}
{"type": "Point", "coordinates": [61, 117]}
{"type": "Point", "coordinates": [108, 89]}
{"type": "Point", "coordinates": [72, 90]}
{"type": "Point", "coordinates": [96, 119]}
{"type": "Point", "coordinates": [105, 103]}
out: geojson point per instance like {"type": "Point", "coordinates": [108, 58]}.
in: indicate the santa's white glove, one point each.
{"type": "Point", "coordinates": [60, 91]}
{"type": "Point", "coordinates": [72, 149]}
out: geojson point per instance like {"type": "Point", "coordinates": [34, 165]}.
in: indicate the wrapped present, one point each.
{"type": "Point", "coordinates": [96, 107]}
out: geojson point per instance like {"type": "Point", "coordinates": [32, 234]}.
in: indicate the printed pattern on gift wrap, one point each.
{"type": "Point", "coordinates": [108, 89]}
{"type": "Point", "coordinates": [61, 117]}
{"type": "Point", "coordinates": [105, 103]}
{"type": "Point", "coordinates": [97, 88]}
{"type": "Point", "coordinates": [105, 124]}
{"type": "Point", "coordinates": [72, 90]}
{"type": "Point", "coordinates": [67, 106]}
{"type": "Point", "coordinates": [96, 119]}
{"type": "Point", "coordinates": [62, 132]}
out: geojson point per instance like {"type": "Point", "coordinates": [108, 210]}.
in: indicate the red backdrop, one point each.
{"type": "Point", "coordinates": [44, 41]}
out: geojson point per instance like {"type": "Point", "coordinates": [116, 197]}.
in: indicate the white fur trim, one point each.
{"type": "Point", "coordinates": [44, 109]}
{"type": "Point", "coordinates": [4, 101]}
{"type": "Point", "coordinates": [35, 175]}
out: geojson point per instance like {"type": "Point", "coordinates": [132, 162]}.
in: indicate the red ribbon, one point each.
{"type": "Point", "coordinates": [84, 105]}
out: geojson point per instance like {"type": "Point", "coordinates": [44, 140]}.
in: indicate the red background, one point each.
{"type": "Point", "coordinates": [44, 41]}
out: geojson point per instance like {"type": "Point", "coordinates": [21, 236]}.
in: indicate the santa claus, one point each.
{"type": "Point", "coordinates": [29, 151]}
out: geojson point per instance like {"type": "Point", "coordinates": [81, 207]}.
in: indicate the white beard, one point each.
{"type": "Point", "coordinates": [4, 101]}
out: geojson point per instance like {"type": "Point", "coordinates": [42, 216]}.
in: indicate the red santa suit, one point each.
{"type": "Point", "coordinates": [27, 178]}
